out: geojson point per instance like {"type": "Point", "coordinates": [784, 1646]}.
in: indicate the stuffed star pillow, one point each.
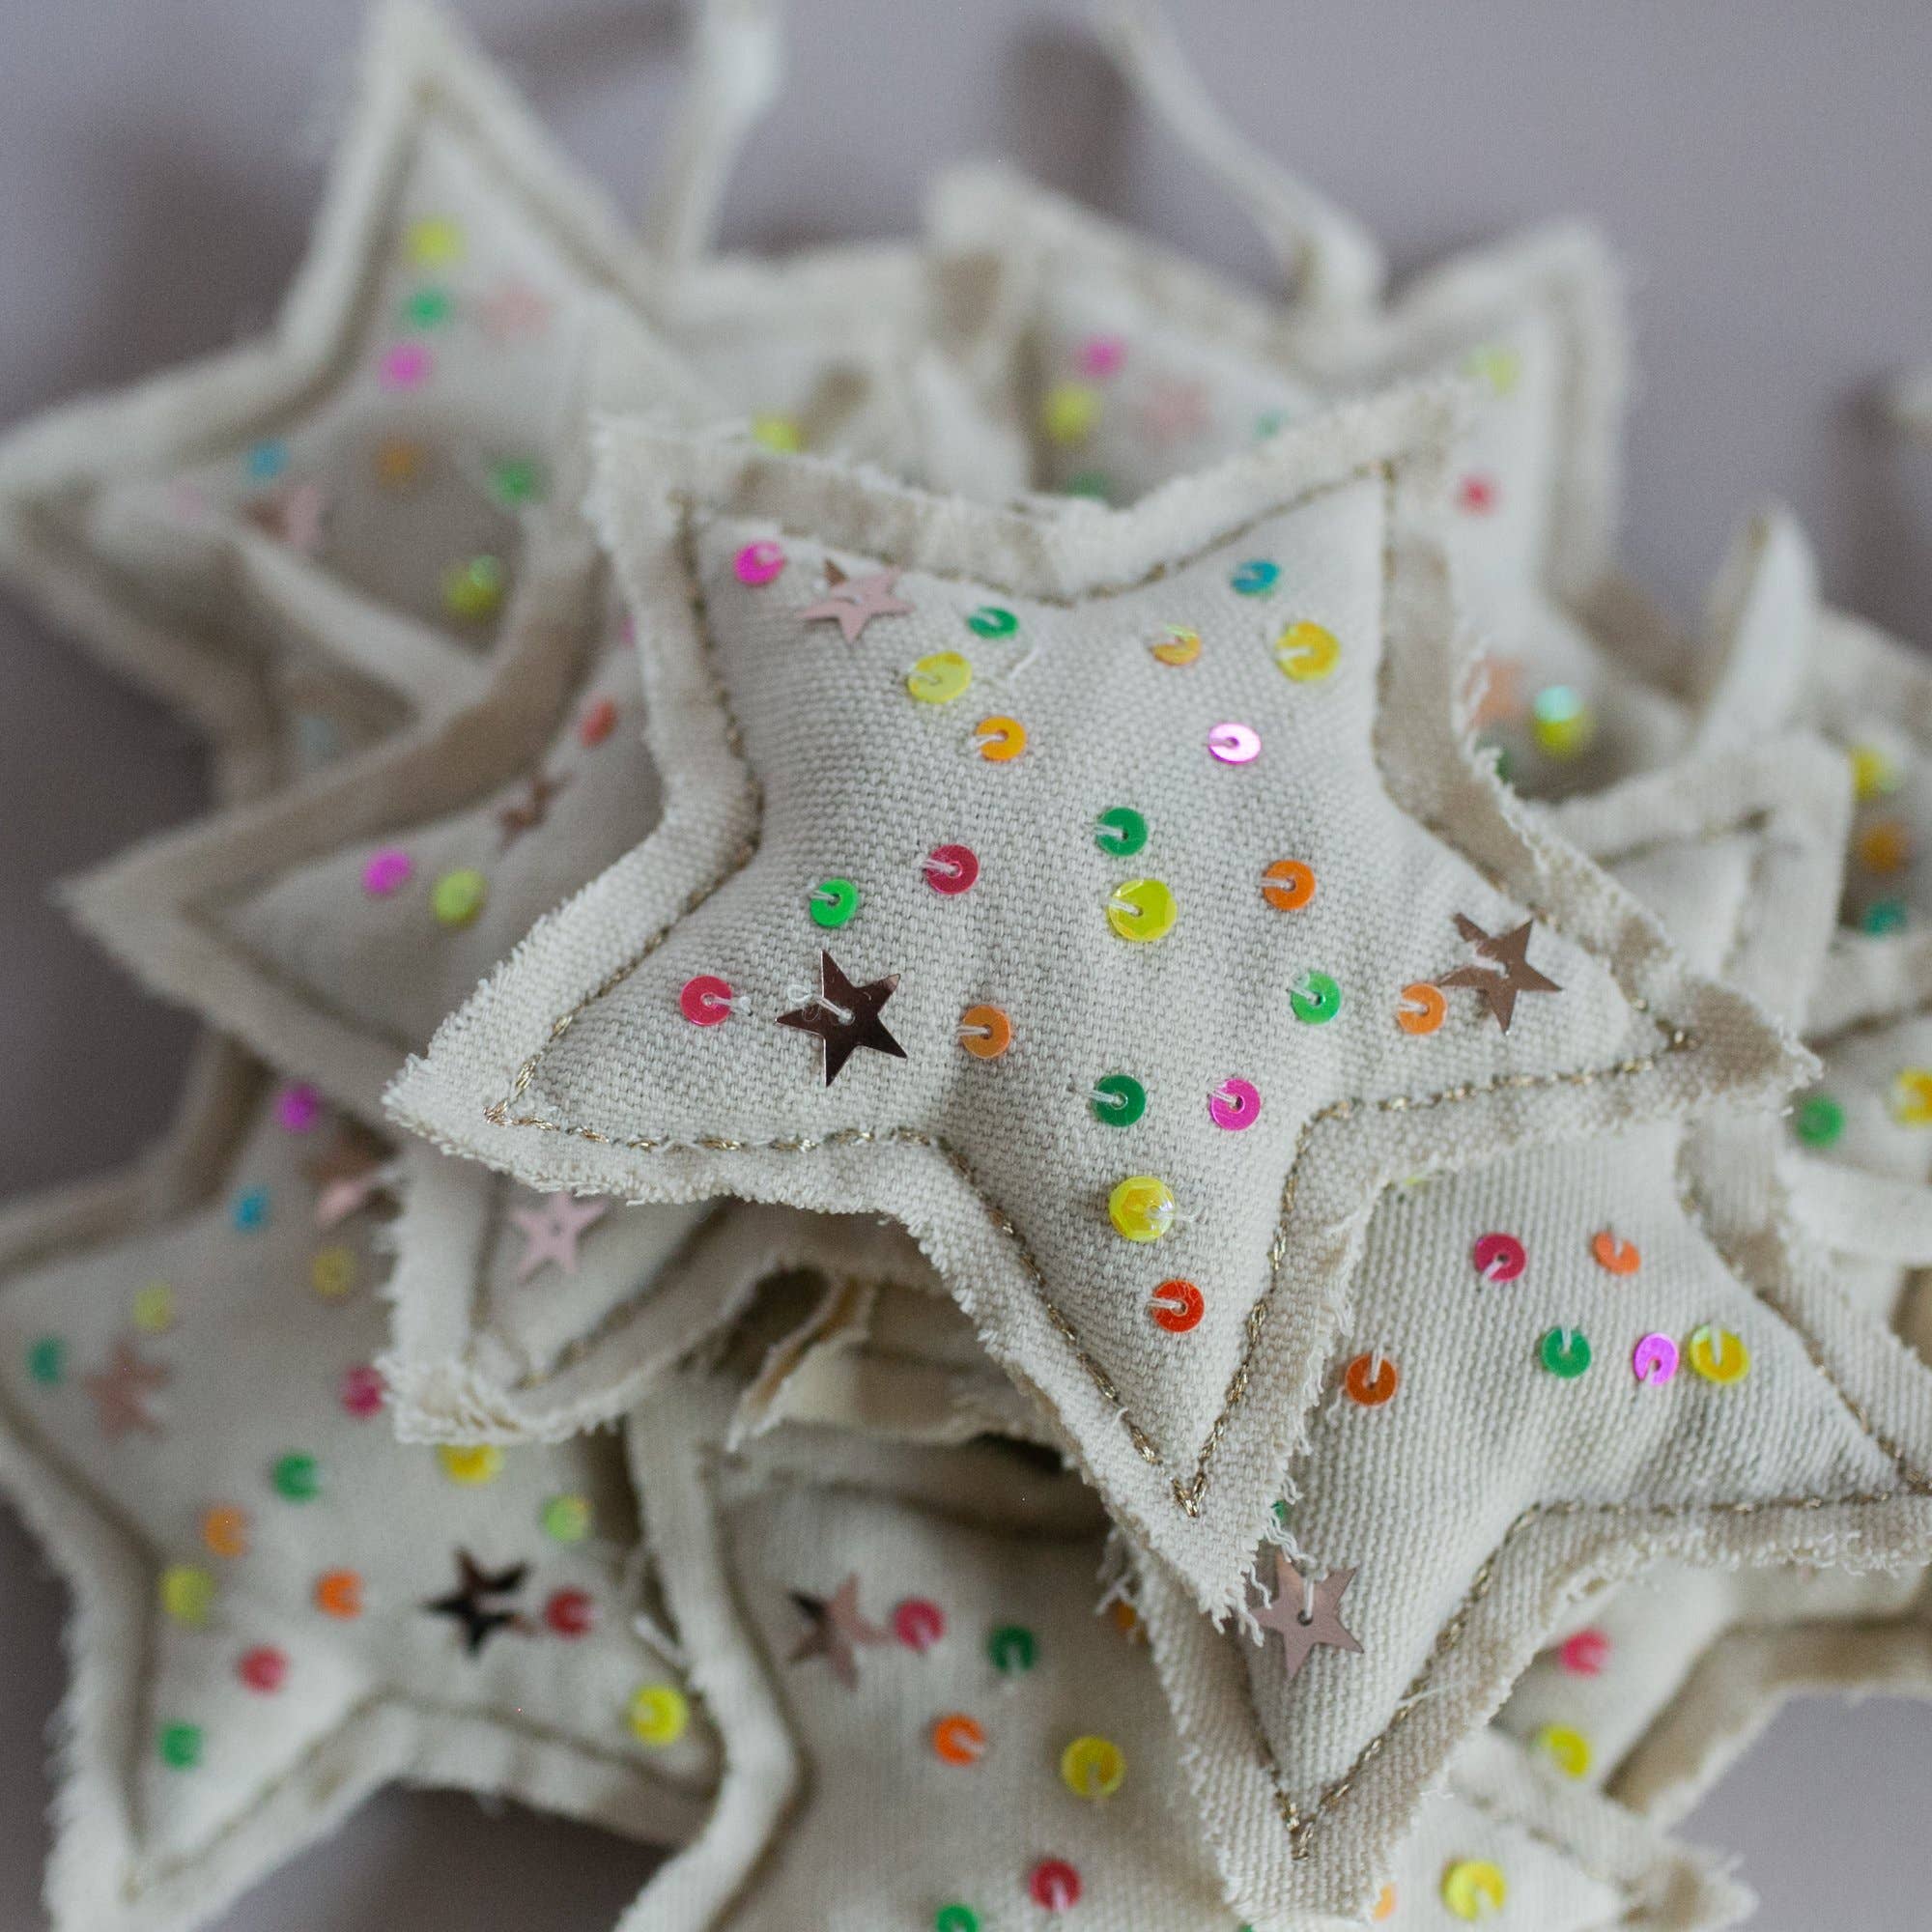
{"type": "Point", "coordinates": [1561, 1366]}
{"type": "Point", "coordinates": [277, 1608]}
{"type": "Point", "coordinates": [904, 1646]}
{"type": "Point", "coordinates": [1126, 981]}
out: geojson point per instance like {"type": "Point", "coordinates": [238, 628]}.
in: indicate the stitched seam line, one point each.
{"type": "Point", "coordinates": [1186, 1494]}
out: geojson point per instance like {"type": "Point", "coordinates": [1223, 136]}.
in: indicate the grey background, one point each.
{"type": "Point", "coordinates": [1764, 164]}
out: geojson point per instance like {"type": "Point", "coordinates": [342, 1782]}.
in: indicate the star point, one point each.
{"type": "Point", "coordinates": [854, 601]}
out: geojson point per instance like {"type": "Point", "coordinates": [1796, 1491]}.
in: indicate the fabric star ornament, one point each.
{"type": "Point", "coordinates": [278, 1609]}
{"type": "Point", "coordinates": [309, 541]}
{"type": "Point", "coordinates": [1564, 1366]}
{"type": "Point", "coordinates": [1135, 1055]}
{"type": "Point", "coordinates": [1080, 336]}
{"type": "Point", "coordinates": [477, 1355]}
{"type": "Point", "coordinates": [1008, 1744]}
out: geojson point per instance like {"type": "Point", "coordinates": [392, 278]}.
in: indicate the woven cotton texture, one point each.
{"type": "Point", "coordinates": [1504, 1435]}
{"type": "Point", "coordinates": [190, 1417]}
{"type": "Point", "coordinates": [966, 1660]}
{"type": "Point", "coordinates": [790, 754]}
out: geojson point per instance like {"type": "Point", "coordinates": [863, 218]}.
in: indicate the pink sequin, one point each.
{"type": "Point", "coordinates": [919, 1623]}
{"type": "Point", "coordinates": [1498, 1256]}
{"type": "Point", "coordinates": [1585, 1654]}
{"type": "Point", "coordinates": [1101, 356]}
{"type": "Point", "coordinates": [705, 1000]}
{"type": "Point", "coordinates": [406, 365]}
{"type": "Point", "coordinates": [362, 1391]}
{"type": "Point", "coordinates": [388, 872]}
{"type": "Point", "coordinates": [1653, 1359]}
{"type": "Point", "coordinates": [951, 870]}
{"type": "Point", "coordinates": [299, 1108]}
{"type": "Point", "coordinates": [1235, 744]}
{"type": "Point", "coordinates": [759, 563]}
{"type": "Point", "coordinates": [1234, 1105]}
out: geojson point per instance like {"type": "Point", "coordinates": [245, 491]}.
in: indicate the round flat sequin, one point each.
{"type": "Point", "coordinates": [986, 1032]}
{"type": "Point", "coordinates": [1476, 494]}
{"type": "Point", "coordinates": [224, 1529]}
{"type": "Point", "coordinates": [1307, 653]}
{"type": "Point", "coordinates": [1567, 1749]}
{"type": "Point", "coordinates": [1370, 1381]}
{"type": "Point", "coordinates": [1474, 1889]}
{"type": "Point", "coordinates": [566, 1519]}
{"type": "Point", "coordinates": [1092, 1767]}
{"type": "Point", "coordinates": [1121, 830]}
{"type": "Point", "coordinates": [458, 896]}
{"type": "Point", "coordinates": [705, 1000]}
{"type": "Point", "coordinates": [360, 1391]}
{"type": "Point", "coordinates": [1911, 1096]}
{"type": "Point", "coordinates": [831, 902]}
{"type": "Point", "coordinates": [1653, 1359]}
{"type": "Point", "coordinates": [659, 1714]}
{"type": "Point", "coordinates": [992, 620]}
{"type": "Point", "coordinates": [919, 1623]}
{"type": "Point", "coordinates": [331, 1273]}
{"type": "Point", "coordinates": [1054, 1885]}
{"type": "Point", "coordinates": [1560, 722]}
{"type": "Point", "coordinates": [1496, 363]}
{"type": "Point", "coordinates": [427, 308]}
{"type": "Point", "coordinates": [1068, 412]}
{"type": "Point", "coordinates": [46, 1361]}
{"type": "Point", "coordinates": [1585, 1653]}
{"type": "Point", "coordinates": [940, 678]}
{"type": "Point", "coordinates": [1884, 915]}
{"type": "Point", "coordinates": [1565, 1352]}
{"type": "Point", "coordinates": [1177, 644]}
{"type": "Point", "coordinates": [1000, 740]}
{"type": "Point", "coordinates": [1874, 773]}
{"type": "Point", "coordinates": [1385, 1904]}
{"type": "Point", "coordinates": [1498, 1256]}
{"type": "Point", "coordinates": [1235, 744]}
{"type": "Point", "coordinates": [570, 1613]}
{"type": "Point", "coordinates": [264, 1669]}
{"type": "Point", "coordinates": [434, 242]}
{"type": "Point", "coordinates": [1256, 578]}
{"type": "Point", "coordinates": [1141, 909]}
{"type": "Point", "coordinates": [1422, 1008]}
{"type": "Point", "coordinates": [1140, 1208]}
{"type": "Point", "coordinates": [1012, 1650]}
{"type": "Point", "coordinates": [154, 1309]}
{"type": "Point", "coordinates": [1885, 846]}
{"type": "Point", "coordinates": [1316, 1001]}
{"type": "Point", "coordinates": [957, 1739]}
{"type": "Point", "coordinates": [1100, 355]}
{"type": "Point", "coordinates": [186, 1594]}
{"type": "Point", "coordinates": [251, 1209]}
{"type": "Point", "coordinates": [297, 1108]}
{"type": "Point", "coordinates": [781, 433]}
{"type": "Point", "coordinates": [180, 1745]}
{"type": "Point", "coordinates": [1234, 1105]}
{"type": "Point", "coordinates": [471, 1464]}
{"type": "Point", "coordinates": [951, 870]}
{"type": "Point", "coordinates": [759, 563]}
{"type": "Point", "coordinates": [1288, 885]}
{"type": "Point", "coordinates": [406, 365]}
{"type": "Point", "coordinates": [1118, 1099]}
{"type": "Point", "coordinates": [386, 871]}
{"type": "Point", "coordinates": [518, 481]}
{"type": "Point", "coordinates": [473, 589]}
{"type": "Point", "coordinates": [1718, 1356]}
{"type": "Point", "coordinates": [266, 460]}
{"type": "Point", "coordinates": [598, 721]}
{"type": "Point", "coordinates": [1176, 1306]}
{"type": "Point", "coordinates": [955, 1917]}
{"type": "Point", "coordinates": [1819, 1121]}
{"type": "Point", "coordinates": [1614, 1255]}
{"type": "Point", "coordinates": [297, 1478]}
{"type": "Point", "coordinates": [338, 1594]}
{"type": "Point", "coordinates": [400, 464]}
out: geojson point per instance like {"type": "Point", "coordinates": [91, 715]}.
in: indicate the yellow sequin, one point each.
{"type": "Point", "coordinates": [1069, 411]}
{"type": "Point", "coordinates": [1718, 1356]}
{"type": "Point", "coordinates": [470, 1463]}
{"type": "Point", "coordinates": [1307, 653]}
{"type": "Point", "coordinates": [659, 1714]}
{"type": "Point", "coordinates": [1140, 1208]}
{"type": "Point", "coordinates": [1473, 1889]}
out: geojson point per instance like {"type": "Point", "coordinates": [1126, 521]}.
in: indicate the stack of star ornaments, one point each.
{"type": "Point", "coordinates": [1014, 1112]}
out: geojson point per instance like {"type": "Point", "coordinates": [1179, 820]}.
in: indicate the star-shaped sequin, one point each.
{"type": "Point", "coordinates": [845, 1016]}
{"type": "Point", "coordinates": [122, 1392]}
{"type": "Point", "coordinates": [1508, 972]}
{"type": "Point", "coordinates": [1156, 926]}
{"type": "Point", "coordinates": [853, 602]}
{"type": "Point", "coordinates": [514, 311]}
{"type": "Point", "coordinates": [835, 1629]}
{"type": "Point", "coordinates": [1305, 1613]}
{"type": "Point", "coordinates": [552, 1231]}
{"type": "Point", "coordinates": [478, 1606]}
{"type": "Point", "coordinates": [527, 814]}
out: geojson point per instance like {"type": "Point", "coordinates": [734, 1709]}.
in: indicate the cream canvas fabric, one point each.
{"type": "Point", "coordinates": [1539, 1388]}
{"type": "Point", "coordinates": [269, 1619]}
{"type": "Point", "coordinates": [307, 542]}
{"type": "Point", "coordinates": [903, 1649]}
{"type": "Point", "coordinates": [791, 755]}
